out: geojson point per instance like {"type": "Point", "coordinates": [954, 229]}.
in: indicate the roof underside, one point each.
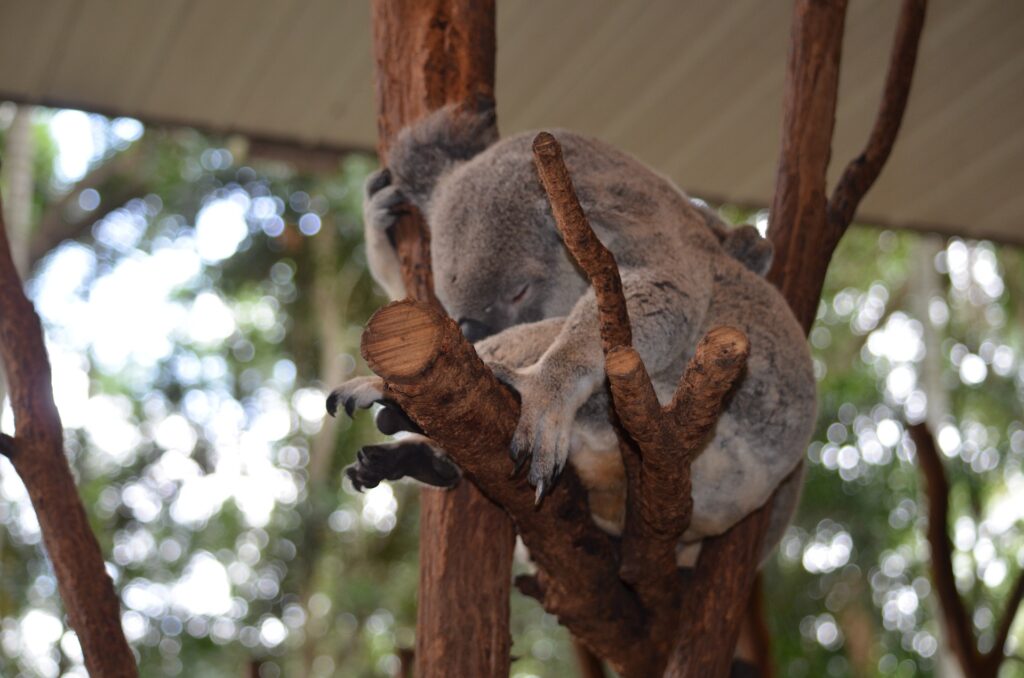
{"type": "Point", "coordinates": [694, 89]}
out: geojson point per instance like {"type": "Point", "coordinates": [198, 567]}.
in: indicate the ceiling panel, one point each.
{"type": "Point", "coordinates": [692, 88]}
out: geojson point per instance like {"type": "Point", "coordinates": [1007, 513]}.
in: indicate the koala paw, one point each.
{"type": "Point", "coordinates": [359, 393]}
{"type": "Point", "coordinates": [413, 457]}
{"type": "Point", "coordinates": [544, 430]}
{"type": "Point", "coordinates": [383, 201]}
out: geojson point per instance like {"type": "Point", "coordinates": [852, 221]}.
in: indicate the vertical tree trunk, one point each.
{"type": "Point", "coordinates": [428, 54]}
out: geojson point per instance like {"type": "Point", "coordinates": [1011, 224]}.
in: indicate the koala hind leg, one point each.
{"type": "Point", "coordinates": [412, 457]}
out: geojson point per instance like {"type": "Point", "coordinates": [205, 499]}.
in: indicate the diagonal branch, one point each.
{"type": "Point", "coordinates": [85, 586]}
{"type": "Point", "coordinates": [995, 656]}
{"type": "Point", "coordinates": [954, 612]}
{"type": "Point", "coordinates": [863, 170]}
{"type": "Point", "coordinates": [595, 259]}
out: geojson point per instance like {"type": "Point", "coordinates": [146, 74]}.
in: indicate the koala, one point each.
{"type": "Point", "coordinates": [502, 272]}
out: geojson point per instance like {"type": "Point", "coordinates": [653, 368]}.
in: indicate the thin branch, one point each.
{"type": "Point", "coordinates": [581, 241]}
{"type": "Point", "coordinates": [85, 586]}
{"type": "Point", "coordinates": [863, 170]}
{"type": "Point", "coordinates": [954, 612]}
{"type": "Point", "coordinates": [995, 656]}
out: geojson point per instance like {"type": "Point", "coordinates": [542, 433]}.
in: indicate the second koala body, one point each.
{"type": "Point", "coordinates": [502, 272]}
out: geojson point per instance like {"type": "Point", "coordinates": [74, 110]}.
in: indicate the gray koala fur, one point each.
{"type": "Point", "coordinates": [500, 269]}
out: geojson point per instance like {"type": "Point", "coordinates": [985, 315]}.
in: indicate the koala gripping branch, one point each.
{"type": "Point", "coordinates": [436, 377]}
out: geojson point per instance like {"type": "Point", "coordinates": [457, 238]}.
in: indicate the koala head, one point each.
{"type": "Point", "coordinates": [497, 258]}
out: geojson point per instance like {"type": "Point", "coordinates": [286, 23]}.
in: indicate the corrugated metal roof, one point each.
{"type": "Point", "coordinates": [692, 88]}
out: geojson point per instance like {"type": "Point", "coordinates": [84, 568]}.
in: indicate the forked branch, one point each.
{"type": "Point", "coordinates": [663, 441]}
{"type": "Point", "coordinates": [956, 617]}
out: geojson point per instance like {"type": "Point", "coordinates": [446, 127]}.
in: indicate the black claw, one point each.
{"type": "Point", "coordinates": [518, 461]}
{"type": "Point", "coordinates": [350, 406]}
{"type": "Point", "coordinates": [557, 473]}
{"type": "Point", "coordinates": [332, 404]}
{"type": "Point", "coordinates": [381, 180]}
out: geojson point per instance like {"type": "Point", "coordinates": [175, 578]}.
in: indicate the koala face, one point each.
{"type": "Point", "coordinates": [485, 294]}
{"type": "Point", "coordinates": [531, 277]}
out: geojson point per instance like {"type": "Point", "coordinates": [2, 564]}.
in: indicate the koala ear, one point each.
{"type": "Point", "coordinates": [745, 244]}
{"type": "Point", "coordinates": [429, 148]}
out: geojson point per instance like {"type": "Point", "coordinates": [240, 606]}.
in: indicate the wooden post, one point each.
{"type": "Point", "coordinates": [430, 53]}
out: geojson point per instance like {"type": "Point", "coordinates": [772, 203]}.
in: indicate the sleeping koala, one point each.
{"type": "Point", "coordinates": [502, 272]}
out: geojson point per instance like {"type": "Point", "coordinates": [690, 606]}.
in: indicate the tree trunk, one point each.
{"type": "Point", "coordinates": [429, 54]}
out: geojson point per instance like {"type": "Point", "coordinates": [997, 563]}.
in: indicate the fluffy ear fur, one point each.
{"type": "Point", "coordinates": [425, 151]}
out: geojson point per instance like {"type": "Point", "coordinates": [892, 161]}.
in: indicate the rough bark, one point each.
{"type": "Point", "coordinates": [797, 225]}
{"type": "Point", "coordinates": [804, 237]}
{"type": "Point", "coordinates": [429, 54]}
{"type": "Point", "coordinates": [37, 453]}
{"type": "Point", "coordinates": [955, 615]}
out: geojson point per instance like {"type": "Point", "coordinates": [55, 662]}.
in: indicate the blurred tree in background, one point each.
{"type": "Point", "coordinates": [199, 303]}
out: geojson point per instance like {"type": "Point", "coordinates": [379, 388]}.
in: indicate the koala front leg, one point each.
{"type": "Point", "coordinates": [666, 310]}
{"type": "Point", "coordinates": [414, 456]}
{"type": "Point", "coordinates": [382, 205]}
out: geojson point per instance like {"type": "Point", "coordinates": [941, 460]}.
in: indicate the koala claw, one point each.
{"type": "Point", "coordinates": [361, 393]}
{"type": "Point", "coordinates": [543, 433]}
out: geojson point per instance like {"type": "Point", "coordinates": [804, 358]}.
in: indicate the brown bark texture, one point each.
{"type": "Point", "coordinates": [429, 53]}
{"type": "Point", "coordinates": [955, 616]}
{"type": "Point", "coordinates": [37, 453]}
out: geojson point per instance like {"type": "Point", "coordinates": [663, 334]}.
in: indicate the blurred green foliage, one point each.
{"type": "Point", "coordinates": [206, 303]}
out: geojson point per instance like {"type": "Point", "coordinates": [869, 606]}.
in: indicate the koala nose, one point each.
{"type": "Point", "coordinates": [474, 330]}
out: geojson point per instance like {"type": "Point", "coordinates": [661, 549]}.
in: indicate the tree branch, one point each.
{"type": "Point", "coordinates": [85, 587]}
{"type": "Point", "coordinates": [581, 241]}
{"type": "Point", "coordinates": [995, 656]}
{"type": "Point", "coordinates": [863, 170]}
{"type": "Point", "coordinates": [954, 612]}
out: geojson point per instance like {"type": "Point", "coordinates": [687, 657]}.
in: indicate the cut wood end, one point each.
{"type": "Point", "coordinates": [723, 343]}
{"type": "Point", "coordinates": [622, 361]}
{"type": "Point", "coordinates": [545, 144]}
{"type": "Point", "coordinates": [402, 339]}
